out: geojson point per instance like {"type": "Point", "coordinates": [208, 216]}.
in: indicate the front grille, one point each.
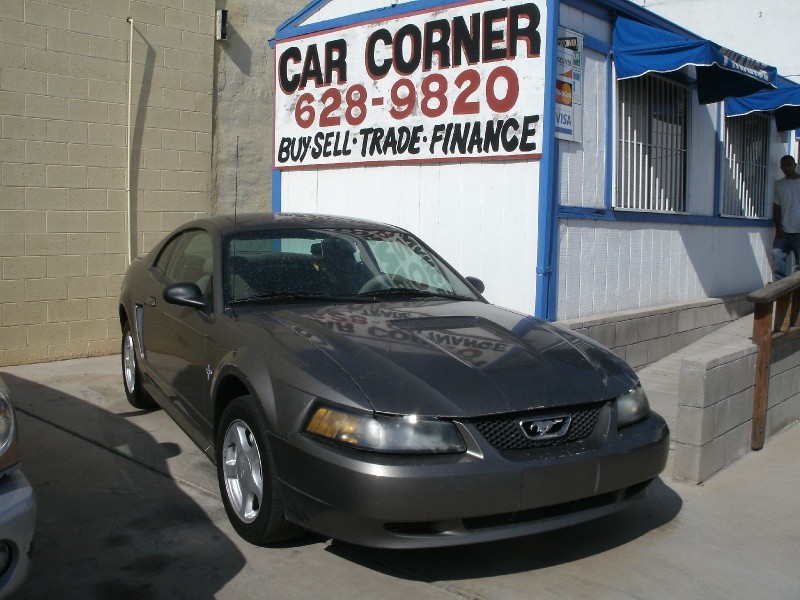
{"type": "Point", "coordinates": [504, 432]}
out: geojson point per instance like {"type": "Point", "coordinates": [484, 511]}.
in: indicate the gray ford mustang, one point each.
{"type": "Point", "coordinates": [346, 380]}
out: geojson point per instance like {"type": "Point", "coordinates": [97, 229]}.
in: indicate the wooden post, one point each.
{"type": "Point", "coordinates": [762, 336]}
{"type": "Point", "coordinates": [783, 313]}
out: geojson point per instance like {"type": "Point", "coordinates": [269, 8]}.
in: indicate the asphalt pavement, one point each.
{"type": "Point", "coordinates": [128, 507]}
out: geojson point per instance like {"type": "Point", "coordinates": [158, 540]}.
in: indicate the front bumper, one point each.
{"type": "Point", "coordinates": [17, 525]}
{"type": "Point", "coordinates": [483, 495]}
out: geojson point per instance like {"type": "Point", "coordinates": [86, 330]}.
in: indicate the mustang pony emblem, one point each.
{"type": "Point", "coordinates": [546, 429]}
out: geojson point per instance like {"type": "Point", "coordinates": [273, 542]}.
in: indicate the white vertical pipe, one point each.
{"type": "Point", "coordinates": [128, 142]}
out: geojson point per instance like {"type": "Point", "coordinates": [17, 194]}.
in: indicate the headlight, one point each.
{"type": "Point", "coordinates": [632, 407]}
{"type": "Point", "coordinates": [379, 433]}
{"type": "Point", "coordinates": [9, 454]}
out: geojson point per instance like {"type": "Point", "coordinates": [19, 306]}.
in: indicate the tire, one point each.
{"type": "Point", "coordinates": [247, 478]}
{"type": "Point", "coordinates": [131, 378]}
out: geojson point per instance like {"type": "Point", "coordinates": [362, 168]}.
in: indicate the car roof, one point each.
{"type": "Point", "coordinates": [226, 224]}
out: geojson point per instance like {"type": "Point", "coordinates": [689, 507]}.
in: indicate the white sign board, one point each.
{"type": "Point", "coordinates": [459, 83]}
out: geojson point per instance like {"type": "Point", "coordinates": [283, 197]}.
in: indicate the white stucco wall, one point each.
{"type": "Point", "coordinates": [480, 217]}
{"type": "Point", "coordinates": [764, 30]}
{"type": "Point", "coordinates": [610, 266]}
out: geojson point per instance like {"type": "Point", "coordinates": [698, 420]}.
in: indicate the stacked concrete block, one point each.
{"type": "Point", "coordinates": [642, 337]}
{"type": "Point", "coordinates": [64, 159]}
{"type": "Point", "coordinates": [715, 408]}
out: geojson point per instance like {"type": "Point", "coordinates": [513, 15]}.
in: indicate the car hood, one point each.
{"type": "Point", "coordinates": [455, 359]}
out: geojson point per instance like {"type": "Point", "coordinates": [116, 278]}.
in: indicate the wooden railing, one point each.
{"type": "Point", "coordinates": [774, 319]}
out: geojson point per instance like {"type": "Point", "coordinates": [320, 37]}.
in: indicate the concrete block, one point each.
{"type": "Point", "coordinates": [649, 328]}
{"type": "Point", "coordinates": [24, 81]}
{"type": "Point", "coordinates": [24, 267]}
{"type": "Point", "coordinates": [627, 332]}
{"type": "Point", "coordinates": [744, 373]}
{"type": "Point", "coordinates": [66, 131]}
{"type": "Point", "coordinates": [44, 333]}
{"type": "Point", "coordinates": [23, 175]}
{"type": "Point", "coordinates": [737, 443]}
{"type": "Point", "coordinates": [87, 111]}
{"type": "Point", "coordinates": [13, 337]}
{"type": "Point", "coordinates": [25, 313]}
{"type": "Point", "coordinates": [63, 86]}
{"type": "Point", "coordinates": [13, 103]}
{"type": "Point", "coordinates": [636, 354]}
{"type": "Point", "coordinates": [45, 244]}
{"type": "Point", "coordinates": [180, 19]}
{"type": "Point", "coordinates": [692, 384]}
{"type": "Point", "coordinates": [105, 177]}
{"type": "Point", "coordinates": [66, 266]}
{"type": "Point", "coordinates": [69, 42]}
{"type": "Point", "coordinates": [12, 291]}
{"type": "Point", "coordinates": [712, 459]}
{"type": "Point", "coordinates": [687, 319]}
{"type": "Point", "coordinates": [716, 384]}
{"type": "Point", "coordinates": [686, 463]}
{"type": "Point", "coordinates": [11, 150]}
{"type": "Point", "coordinates": [732, 412]}
{"type": "Point", "coordinates": [66, 310]}
{"type": "Point", "coordinates": [86, 243]}
{"type": "Point", "coordinates": [694, 426]}
{"type": "Point", "coordinates": [47, 153]}
{"type": "Point", "coordinates": [668, 324]}
{"type": "Point", "coordinates": [86, 287]}
{"type": "Point", "coordinates": [90, 23]}
{"type": "Point", "coordinates": [66, 177]}
{"type": "Point", "coordinates": [195, 121]}
{"type": "Point", "coordinates": [12, 244]}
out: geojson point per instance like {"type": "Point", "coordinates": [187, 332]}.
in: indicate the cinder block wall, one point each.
{"type": "Point", "coordinates": [715, 408]}
{"type": "Point", "coordinates": [642, 337]}
{"type": "Point", "coordinates": [63, 159]}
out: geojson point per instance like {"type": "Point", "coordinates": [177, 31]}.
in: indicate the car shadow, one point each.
{"type": "Point", "coordinates": [111, 522]}
{"type": "Point", "coordinates": [524, 554]}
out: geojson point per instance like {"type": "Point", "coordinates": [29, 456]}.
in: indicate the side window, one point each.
{"type": "Point", "coordinates": [188, 258]}
{"type": "Point", "coordinates": [746, 174]}
{"type": "Point", "coordinates": [652, 144]}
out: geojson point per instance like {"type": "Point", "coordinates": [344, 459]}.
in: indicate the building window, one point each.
{"type": "Point", "coordinates": [744, 189]}
{"type": "Point", "coordinates": [653, 140]}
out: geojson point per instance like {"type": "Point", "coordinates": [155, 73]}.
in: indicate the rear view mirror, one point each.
{"type": "Point", "coordinates": [476, 283]}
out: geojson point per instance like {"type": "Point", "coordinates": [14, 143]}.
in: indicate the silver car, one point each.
{"type": "Point", "coordinates": [17, 503]}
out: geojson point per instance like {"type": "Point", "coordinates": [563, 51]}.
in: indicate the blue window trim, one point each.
{"type": "Point", "coordinates": [631, 216]}
{"type": "Point", "coordinates": [276, 190]}
{"type": "Point", "coordinates": [547, 243]}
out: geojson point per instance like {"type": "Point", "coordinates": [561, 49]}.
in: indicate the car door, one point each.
{"type": "Point", "coordinates": [175, 337]}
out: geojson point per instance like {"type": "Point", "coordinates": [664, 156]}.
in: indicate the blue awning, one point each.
{"type": "Point", "coordinates": [721, 73]}
{"type": "Point", "coordinates": [784, 102]}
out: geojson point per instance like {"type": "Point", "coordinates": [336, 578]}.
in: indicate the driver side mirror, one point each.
{"type": "Point", "coordinates": [476, 283]}
{"type": "Point", "coordinates": [184, 294]}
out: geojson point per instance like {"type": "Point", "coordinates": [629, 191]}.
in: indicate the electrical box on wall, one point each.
{"type": "Point", "coordinates": [222, 25]}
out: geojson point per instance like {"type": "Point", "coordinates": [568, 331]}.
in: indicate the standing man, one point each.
{"type": "Point", "coordinates": [786, 213]}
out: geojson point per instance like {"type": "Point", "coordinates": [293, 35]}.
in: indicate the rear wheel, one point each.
{"type": "Point", "coordinates": [136, 395]}
{"type": "Point", "coordinates": [247, 478]}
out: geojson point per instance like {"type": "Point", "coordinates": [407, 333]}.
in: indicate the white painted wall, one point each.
{"type": "Point", "coordinates": [609, 266]}
{"type": "Point", "coordinates": [480, 217]}
{"type": "Point", "coordinates": [346, 8]}
{"type": "Point", "coordinates": [764, 30]}
{"type": "Point", "coordinates": [606, 267]}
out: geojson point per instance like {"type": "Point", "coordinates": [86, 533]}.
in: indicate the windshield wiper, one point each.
{"type": "Point", "coordinates": [402, 291]}
{"type": "Point", "coordinates": [290, 296]}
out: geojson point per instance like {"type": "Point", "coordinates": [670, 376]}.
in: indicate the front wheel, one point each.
{"type": "Point", "coordinates": [247, 478]}
{"type": "Point", "coordinates": [137, 397]}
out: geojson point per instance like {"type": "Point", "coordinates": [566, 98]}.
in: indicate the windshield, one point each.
{"type": "Point", "coordinates": [334, 264]}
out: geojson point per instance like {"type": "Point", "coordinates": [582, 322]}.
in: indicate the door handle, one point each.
{"type": "Point", "coordinates": [151, 301]}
